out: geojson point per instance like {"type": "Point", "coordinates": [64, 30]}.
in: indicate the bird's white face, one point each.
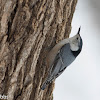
{"type": "Point", "coordinates": [75, 42]}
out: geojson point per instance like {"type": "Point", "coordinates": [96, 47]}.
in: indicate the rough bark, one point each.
{"type": "Point", "coordinates": [28, 30]}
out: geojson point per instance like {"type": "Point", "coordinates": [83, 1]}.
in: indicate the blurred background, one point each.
{"type": "Point", "coordinates": [81, 80]}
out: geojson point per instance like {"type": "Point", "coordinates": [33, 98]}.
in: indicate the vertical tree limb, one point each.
{"type": "Point", "coordinates": [28, 30]}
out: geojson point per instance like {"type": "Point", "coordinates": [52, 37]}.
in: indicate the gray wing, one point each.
{"type": "Point", "coordinates": [63, 59]}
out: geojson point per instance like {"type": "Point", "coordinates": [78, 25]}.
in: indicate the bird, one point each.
{"type": "Point", "coordinates": [61, 56]}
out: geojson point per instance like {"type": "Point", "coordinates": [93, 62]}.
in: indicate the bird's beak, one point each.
{"type": "Point", "coordinates": [79, 30]}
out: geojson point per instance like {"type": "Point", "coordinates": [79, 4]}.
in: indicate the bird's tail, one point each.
{"type": "Point", "coordinates": [44, 85]}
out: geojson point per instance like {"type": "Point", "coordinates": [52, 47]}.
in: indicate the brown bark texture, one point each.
{"type": "Point", "coordinates": [28, 31]}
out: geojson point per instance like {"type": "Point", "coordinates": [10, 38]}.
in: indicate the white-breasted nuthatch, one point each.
{"type": "Point", "coordinates": [61, 56]}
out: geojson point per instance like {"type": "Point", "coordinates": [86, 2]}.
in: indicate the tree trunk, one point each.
{"type": "Point", "coordinates": [28, 31]}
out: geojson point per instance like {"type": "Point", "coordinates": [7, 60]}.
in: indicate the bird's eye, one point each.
{"type": "Point", "coordinates": [77, 38]}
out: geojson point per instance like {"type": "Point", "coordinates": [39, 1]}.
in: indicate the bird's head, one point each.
{"type": "Point", "coordinates": [76, 42]}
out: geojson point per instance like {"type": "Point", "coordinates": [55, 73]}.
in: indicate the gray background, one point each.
{"type": "Point", "coordinates": [81, 80]}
